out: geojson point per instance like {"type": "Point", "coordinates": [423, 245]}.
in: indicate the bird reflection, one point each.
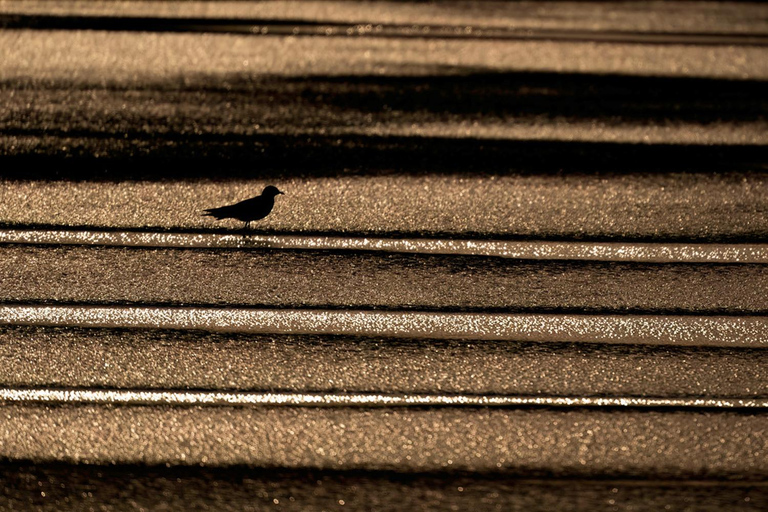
{"type": "Point", "coordinates": [255, 208]}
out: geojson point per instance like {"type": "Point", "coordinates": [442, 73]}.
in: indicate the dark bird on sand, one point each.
{"type": "Point", "coordinates": [255, 208]}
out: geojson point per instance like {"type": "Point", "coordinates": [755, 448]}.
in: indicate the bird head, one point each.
{"type": "Point", "coordinates": [271, 191]}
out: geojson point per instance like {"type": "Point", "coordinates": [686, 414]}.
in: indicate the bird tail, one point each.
{"type": "Point", "coordinates": [217, 213]}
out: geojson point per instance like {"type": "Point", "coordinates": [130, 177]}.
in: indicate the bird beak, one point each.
{"type": "Point", "coordinates": [280, 193]}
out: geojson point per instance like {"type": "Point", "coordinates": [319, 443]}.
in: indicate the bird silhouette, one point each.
{"type": "Point", "coordinates": [255, 208]}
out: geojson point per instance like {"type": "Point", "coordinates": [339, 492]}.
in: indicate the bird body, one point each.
{"type": "Point", "coordinates": [255, 208]}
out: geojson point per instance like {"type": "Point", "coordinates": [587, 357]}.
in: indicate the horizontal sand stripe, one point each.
{"type": "Point", "coordinates": [528, 250]}
{"type": "Point", "coordinates": [219, 398]}
{"type": "Point", "coordinates": [728, 331]}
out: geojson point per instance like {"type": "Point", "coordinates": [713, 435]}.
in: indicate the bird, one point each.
{"type": "Point", "coordinates": [255, 208]}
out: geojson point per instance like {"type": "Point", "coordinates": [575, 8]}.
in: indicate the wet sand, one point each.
{"type": "Point", "coordinates": [157, 359]}
{"type": "Point", "coordinates": [520, 263]}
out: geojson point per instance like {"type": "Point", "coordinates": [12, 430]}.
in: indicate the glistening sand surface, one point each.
{"type": "Point", "coordinates": [648, 205]}
{"type": "Point", "coordinates": [98, 358]}
{"type": "Point", "coordinates": [689, 330]}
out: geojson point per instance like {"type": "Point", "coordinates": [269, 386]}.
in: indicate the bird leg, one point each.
{"type": "Point", "coordinates": [246, 229]}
